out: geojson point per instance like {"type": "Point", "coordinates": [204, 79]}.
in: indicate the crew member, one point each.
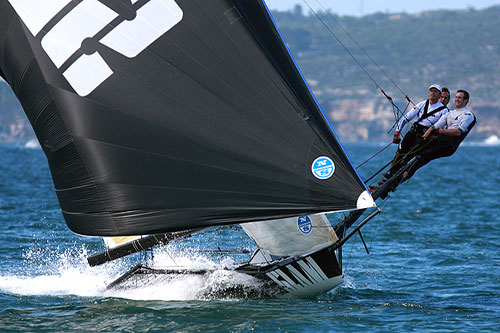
{"type": "Point", "coordinates": [445, 96]}
{"type": "Point", "coordinates": [428, 113]}
{"type": "Point", "coordinates": [449, 132]}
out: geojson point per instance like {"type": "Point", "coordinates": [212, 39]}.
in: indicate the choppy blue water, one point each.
{"type": "Point", "coordinates": [434, 263]}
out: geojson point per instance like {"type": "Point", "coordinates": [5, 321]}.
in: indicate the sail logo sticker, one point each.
{"type": "Point", "coordinates": [304, 224]}
{"type": "Point", "coordinates": [323, 167]}
{"type": "Point", "coordinates": [90, 20]}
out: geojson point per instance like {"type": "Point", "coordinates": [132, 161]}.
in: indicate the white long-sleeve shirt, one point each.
{"type": "Point", "coordinates": [418, 110]}
{"type": "Point", "coordinates": [459, 118]}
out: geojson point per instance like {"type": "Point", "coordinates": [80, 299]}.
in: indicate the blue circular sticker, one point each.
{"type": "Point", "coordinates": [323, 167]}
{"type": "Point", "coordinates": [305, 225]}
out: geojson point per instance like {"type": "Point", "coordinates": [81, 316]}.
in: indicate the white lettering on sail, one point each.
{"type": "Point", "coordinates": [86, 20]}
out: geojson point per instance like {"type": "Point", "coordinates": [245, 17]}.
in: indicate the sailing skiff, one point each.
{"type": "Point", "coordinates": [160, 118]}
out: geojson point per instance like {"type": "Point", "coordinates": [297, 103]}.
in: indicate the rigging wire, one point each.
{"type": "Point", "coordinates": [343, 45]}
{"type": "Point", "coordinates": [364, 51]}
{"type": "Point", "coordinates": [399, 113]}
{"type": "Point", "coordinates": [348, 265]}
{"type": "Point", "coordinates": [381, 150]}
{"type": "Point", "coordinates": [413, 151]}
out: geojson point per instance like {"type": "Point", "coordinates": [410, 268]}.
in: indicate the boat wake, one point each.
{"type": "Point", "coordinates": [492, 140]}
{"type": "Point", "coordinates": [67, 274]}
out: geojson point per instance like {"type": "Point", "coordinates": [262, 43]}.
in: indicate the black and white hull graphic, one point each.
{"type": "Point", "coordinates": [315, 273]}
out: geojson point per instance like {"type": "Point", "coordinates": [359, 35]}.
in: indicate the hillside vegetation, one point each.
{"type": "Point", "coordinates": [457, 49]}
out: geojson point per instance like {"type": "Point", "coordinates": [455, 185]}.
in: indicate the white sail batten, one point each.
{"type": "Point", "coordinates": [292, 236]}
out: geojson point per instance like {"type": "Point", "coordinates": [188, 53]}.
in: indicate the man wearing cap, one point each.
{"type": "Point", "coordinates": [428, 113]}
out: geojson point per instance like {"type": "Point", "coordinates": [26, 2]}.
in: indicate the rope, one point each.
{"type": "Point", "coordinates": [415, 149]}
{"type": "Point", "coordinates": [398, 114]}
{"type": "Point", "coordinates": [398, 118]}
{"type": "Point", "coordinates": [218, 251]}
{"type": "Point", "coordinates": [381, 150]}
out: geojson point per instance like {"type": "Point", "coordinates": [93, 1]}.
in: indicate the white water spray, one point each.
{"type": "Point", "coordinates": [66, 272]}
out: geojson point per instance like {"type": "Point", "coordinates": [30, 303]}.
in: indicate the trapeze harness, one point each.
{"type": "Point", "coordinates": [419, 129]}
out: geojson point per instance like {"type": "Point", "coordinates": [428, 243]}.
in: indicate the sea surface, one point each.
{"type": "Point", "coordinates": [434, 262]}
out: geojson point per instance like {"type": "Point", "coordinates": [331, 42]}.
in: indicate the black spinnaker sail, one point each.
{"type": "Point", "coordinates": [163, 115]}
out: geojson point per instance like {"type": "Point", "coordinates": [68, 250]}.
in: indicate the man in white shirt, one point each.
{"type": "Point", "coordinates": [449, 131]}
{"type": "Point", "coordinates": [428, 113]}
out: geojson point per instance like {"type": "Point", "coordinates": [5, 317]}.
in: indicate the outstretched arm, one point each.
{"type": "Point", "coordinates": [448, 131]}
{"type": "Point", "coordinates": [408, 117]}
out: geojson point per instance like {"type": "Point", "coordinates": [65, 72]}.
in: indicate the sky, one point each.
{"type": "Point", "coordinates": [365, 7]}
